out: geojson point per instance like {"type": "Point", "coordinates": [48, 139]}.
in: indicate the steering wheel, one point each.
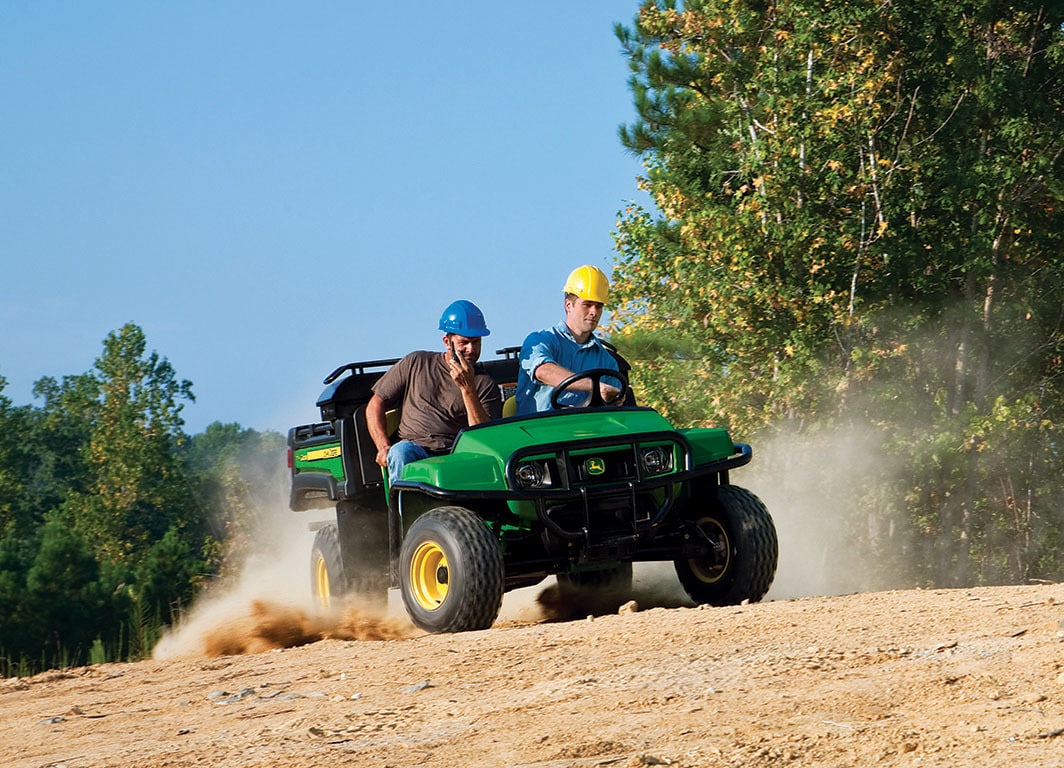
{"type": "Point", "coordinates": [595, 375]}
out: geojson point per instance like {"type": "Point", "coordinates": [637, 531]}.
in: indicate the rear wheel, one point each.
{"type": "Point", "coordinates": [327, 580]}
{"type": "Point", "coordinates": [740, 548]}
{"type": "Point", "coordinates": [451, 572]}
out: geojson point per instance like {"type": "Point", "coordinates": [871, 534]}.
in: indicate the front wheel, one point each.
{"type": "Point", "coordinates": [739, 550]}
{"type": "Point", "coordinates": [451, 572]}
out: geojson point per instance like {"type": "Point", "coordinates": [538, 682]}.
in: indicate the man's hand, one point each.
{"type": "Point", "coordinates": [376, 423]}
{"type": "Point", "coordinates": [461, 372]}
{"type": "Point", "coordinates": [465, 377]}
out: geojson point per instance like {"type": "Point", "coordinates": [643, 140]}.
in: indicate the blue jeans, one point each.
{"type": "Point", "coordinates": [401, 454]}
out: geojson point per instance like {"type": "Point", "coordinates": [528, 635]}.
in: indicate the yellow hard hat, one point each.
{"type": "Point", "coordinates": [588, 283]}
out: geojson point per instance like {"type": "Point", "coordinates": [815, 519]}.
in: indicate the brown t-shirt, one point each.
{"type": "Point", "coordinates": [432, 407]}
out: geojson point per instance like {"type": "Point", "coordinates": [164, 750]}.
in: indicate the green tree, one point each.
{"type": "Point", "coordinates": [69, 605]}
{"type": "Point", "coordinates": [167, 577]}
{"type": "Point", "coordinates": [859, 220]}
{"type": "Point", "coordinates": [10, 486]}
{"type": "Point", "coordinates": [50, 445]}
{"type": "Point", "coordinates": [17, 639]}
{"type": "Point", "coordinates": [136, 489]}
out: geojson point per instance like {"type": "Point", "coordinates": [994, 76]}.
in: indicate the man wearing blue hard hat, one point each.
{"type": "Point", "coordinates": [439, 393]}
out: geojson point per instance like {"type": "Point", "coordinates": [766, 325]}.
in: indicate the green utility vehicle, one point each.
{"type": "Point", "coordinates": [579, 493]}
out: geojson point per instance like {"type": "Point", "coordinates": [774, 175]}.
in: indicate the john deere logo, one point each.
{"type": "Point", "coordinates": [595, 466]}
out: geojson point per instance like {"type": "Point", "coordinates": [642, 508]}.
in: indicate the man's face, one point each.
{"type": "Point", "coordinates": [582, 316]}
{"type": "Point", "coordinates": [464, 346]}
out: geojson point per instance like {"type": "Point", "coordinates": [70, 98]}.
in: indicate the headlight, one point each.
{"type": "Point", "coordinates": [656, 460]}
{"type": "Point", "coordinates": [529, 476]}
{"type": "Point", "coordinates": [533, 474]}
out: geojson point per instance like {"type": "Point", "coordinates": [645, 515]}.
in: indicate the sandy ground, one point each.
{"type": "Point", "coordinates": [969, 677]}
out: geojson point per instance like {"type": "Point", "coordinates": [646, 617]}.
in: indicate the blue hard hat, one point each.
{"type": "Point", "coordinates": [463, 318]}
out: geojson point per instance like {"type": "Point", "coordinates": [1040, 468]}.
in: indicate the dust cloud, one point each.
{"type": "Point", "coordinates": [266, 626]}
{"type": "Point", "coordinates": [812, 482]}
{"type": "Point", "coordinates": [268, 604]}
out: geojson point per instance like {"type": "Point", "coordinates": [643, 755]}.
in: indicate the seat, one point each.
{"type": "Point", "coordinates": [509, 407]}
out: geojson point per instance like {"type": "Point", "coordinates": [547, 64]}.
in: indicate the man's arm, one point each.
{"type": "Point", "coordinates": [475, 409]}
{"type": "Point", "coordinates": [465, 377]}
{"type": "Point", "coordinates": [377, 424]}
{"type": "Point", "coordinates": [539, 356]}
{"type": "Point", "coordinates": [490, 395]}
{"type": "Point", "coordinates": [552, 374]}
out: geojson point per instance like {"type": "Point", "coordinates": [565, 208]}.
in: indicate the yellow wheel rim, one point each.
{"type": "Point", "coordinates": [429, 575]}
{"type": "Point", "coordinates": [321, 583]}
{"type": "Point", "coordinates": [711, 571]}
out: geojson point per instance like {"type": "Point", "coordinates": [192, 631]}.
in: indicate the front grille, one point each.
{"type": "Point", "coordinates": [565, 469]}
{"type": "Point", "coordinates": [605, 466]}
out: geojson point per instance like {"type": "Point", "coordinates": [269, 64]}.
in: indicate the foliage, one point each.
{"type": "Point", "coordinates": [136, 489]}
{"type": "Point", "coordinates": [167, 576]}
{"type": "Point", "coordinates": [859, 218]}
{"type": "Point", "coordinates": [109, 511]}
{"type": "Point", "coordinates": [70, 604]}
{"type": "Point", "coordinates": [10, 487]}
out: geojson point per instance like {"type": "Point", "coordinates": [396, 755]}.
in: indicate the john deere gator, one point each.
{"type": "Point", "coordinates": [577, 493]}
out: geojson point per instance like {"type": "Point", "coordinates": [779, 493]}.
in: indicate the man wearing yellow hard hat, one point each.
{"type": "Point", "coordinates": [550, 356]}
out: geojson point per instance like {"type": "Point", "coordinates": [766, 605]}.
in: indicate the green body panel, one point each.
{"type": "Point", "coordinates": [708, 444]}
{"type": "Point", "coordinates": [464, 471]}
{"type": "Point", "coordinates": [324, 458]}
{"type": "Point", "coordinates": [506, 437]}
{"type": "Point", "coordinates": [525, 510]}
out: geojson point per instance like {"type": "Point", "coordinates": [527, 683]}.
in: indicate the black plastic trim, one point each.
{"type": "Point", "coordinates": [311, 481]}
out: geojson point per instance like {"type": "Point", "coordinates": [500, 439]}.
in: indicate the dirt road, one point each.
{"type": "Point", "coordinates": [915, 678]}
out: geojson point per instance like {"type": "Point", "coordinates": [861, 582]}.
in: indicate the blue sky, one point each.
{"type": "Point", "coordinates": [272, 189]}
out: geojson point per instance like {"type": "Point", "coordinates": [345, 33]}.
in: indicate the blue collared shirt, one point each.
{"type": "Point", "coordinates": [556, 345]}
